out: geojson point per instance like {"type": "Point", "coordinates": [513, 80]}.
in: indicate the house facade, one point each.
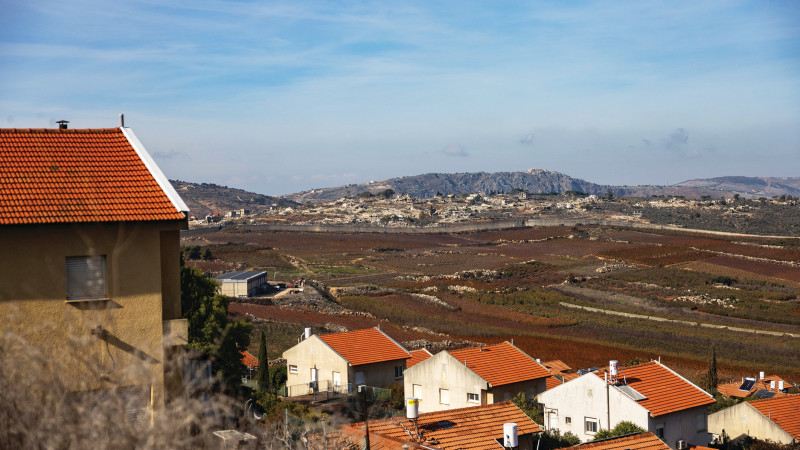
{"type": "Point", "coordinates": [89, 234]}
{"type": "Point", "coordinates": [776, 419]}
{"type": "Point", "coordinates": [650, 395]}
{"type": "Point", "coordinates": [342, 361]}
{"type": "Point", "coordinates": [474, 376]}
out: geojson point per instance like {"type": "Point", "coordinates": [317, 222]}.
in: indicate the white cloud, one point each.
{"type": "Point", "coordinates": [455, 150]}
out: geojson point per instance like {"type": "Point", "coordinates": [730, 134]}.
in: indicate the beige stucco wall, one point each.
{"type": "Point", "coordinates": [742, 419]}
{"type": "Point", "coordinates": [314, 353]}
{"type": "Point", "coordinates": [142, 259]}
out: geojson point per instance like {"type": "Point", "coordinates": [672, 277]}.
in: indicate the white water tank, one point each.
{"type": "Point", "coordinates": [760, 375]}
{"type": "Point", "coordinates": [780, 385]}
{"type": "Point", "coordinates": [510, 439]}
{"type": "Point", "coordinates": [772, 384]}
{"type": "Point", "coordinates": [307, 333]}
{"type": "Point", "coordinates": [412, 408]}
{"type": "Point", "coordinates": [612, 367]}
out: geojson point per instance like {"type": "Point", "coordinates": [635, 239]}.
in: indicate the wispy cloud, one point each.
{"type": "Point", "coordinates": [172, 154]}
{"type": "Point", "coordinates": [527, 140]}
{"type": "Point", "coordinates": [455, 150]}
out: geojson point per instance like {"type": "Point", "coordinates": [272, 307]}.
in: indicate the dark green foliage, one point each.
{"type": "Point", "coordinates": [193, 252]}
{"type": "Point", "coordinates": [530, 407]}
{"type": "Point", "coordinates": [552, 439]}
{"type": "Point", "coordinates": [711, 378]}
{"type": "Point", "coordinates": [210, 331]}
{"type": "Point", "coordinates": [262, 376]}
{"type": "Point", "coordinates": [278, 375]}
{"type": "Point", "coordinates": [388, 193]}
{"type": "Point", "coordinates": [274, 407]}
{"type": "Point", "coordinates": [722, 279]}
{"type": "Point", "coordinates": [207, 254]}
{"type": "Point", "coordinates": [622, 428]}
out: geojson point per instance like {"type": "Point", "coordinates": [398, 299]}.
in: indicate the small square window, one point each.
{"type": "Point", "coordinates": [701, 422]}
{"type": "Point", "coordinates": [473, 398]}
{"type": "Point", "coordinates": [86, 277]}
{"type": "Point", "coordinates": [568, 420]}
{"type": "Point", "coordinates": [292, 369]}
{"type": "Point", "coordinates": [444, 396]}
{"type": "Point", "coordinates": [398, 371]}
{"type": "Point", "coordinates": [660, 431]}
{"type": "Point", "coordinates": [591, 425]}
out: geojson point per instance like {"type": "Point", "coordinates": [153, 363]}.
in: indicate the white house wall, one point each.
{"type": "Point", "coordinates": [455, 377]}
{"type": "Point", "coordinates": [744, 420]}
{"type": "Point", "coordinates": [585, 397]}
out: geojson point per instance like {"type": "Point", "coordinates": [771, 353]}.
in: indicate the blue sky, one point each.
{"type": "Point", "coordinates": [278, 97]}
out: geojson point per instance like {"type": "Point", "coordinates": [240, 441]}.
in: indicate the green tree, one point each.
{"type": "Point", "coordinates": [210, 331]}
{"type": "Point", "coordinates": [530, 407]}
{"type": "Point", "coordinates": [207, 254]}
{"type": "Point", "coordinates": [262, 376]}
{"type": "Point", "coordinates": [711, 378]}
{"type": "Point", "coordinates": [622, 428]}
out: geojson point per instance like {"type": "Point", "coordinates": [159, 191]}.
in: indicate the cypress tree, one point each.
{"type": "Point", "coordinates": [262, 376]}
{"type": "Point", "coordinates": [711, 378]}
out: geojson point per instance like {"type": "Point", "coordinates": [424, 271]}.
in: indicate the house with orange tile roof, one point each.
{"type": "Point", "coordinates": [776, 419]}
{"type": "Point", "coordinates": [477, 427]}
{"type": "Point", "coordinates": [342, 361]}
{"type": "Point", "coordinates": [763, 386]}
{"type": "Point", "coordinates": [474, 376]}
{"type": "Point", "coordinates": [651, 395]}
{"type": "Point", "coordinates": [90, 232]}
{"type": "Point", "coordinates": [638, 441]}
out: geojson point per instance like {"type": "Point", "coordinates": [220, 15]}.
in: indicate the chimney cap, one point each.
{"type": "Point", "coordinates": [62, 124]}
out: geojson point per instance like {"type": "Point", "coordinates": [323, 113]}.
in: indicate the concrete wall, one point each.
{"type": "Point", "coordinates": [683, 425]}
{"type": "Point", "coordinates": [443, 371]}
{"type": "Point", "coordinates": [531, 388]}
{"type": "Point", "coordinates": [379, 374]}
{"type": "Point", "coordinates": [142, 262]}
{"type": "Point", "coordinates": [744, 420]}
{"type": "Point", "coordinates": [584, 397]}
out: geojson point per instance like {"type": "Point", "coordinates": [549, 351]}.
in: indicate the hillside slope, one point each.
{"type": "Point", "coordinates": [208, 198]}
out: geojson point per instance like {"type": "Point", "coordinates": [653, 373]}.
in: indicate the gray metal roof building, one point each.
{"type": "Point", "coordinates": [242, 284]}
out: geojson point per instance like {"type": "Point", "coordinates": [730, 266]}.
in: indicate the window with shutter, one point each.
{"type": "Point", "coordinates": [86, 277]}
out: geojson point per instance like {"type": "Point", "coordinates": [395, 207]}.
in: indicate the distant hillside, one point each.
{"type": "Point", "coordinates": [206, 198]}
{"type": "Point", "coordinates": [431, 184]}
{"type": "Point", "coordinates": [545, 181]}
{"type": "Point", "coordinates": [750, 187]}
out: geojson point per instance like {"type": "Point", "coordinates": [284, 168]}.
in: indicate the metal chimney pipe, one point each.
{"type": "Point", "coordinates": [122, 120]}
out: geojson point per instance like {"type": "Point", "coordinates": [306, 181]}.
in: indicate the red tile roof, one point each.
{"type": "Point", "coordinates": [477, 427]}
{"type": "Point", "coordinates": [784, 411]}
{"type": "Point", "coordinates": [641, 441]}
{"type": "Point", "coordinates": [249, 360]}
{"type": "Point", "coordinates": [556, 365]}
{"type": "Point", "coordinates": [552, 382]}
{"type": "Point", "coordinates": [417, 356]}
{"type": "Point", "coordinates": [365, 346]}
{"type": "Point", "coordinates": [665, 390]}
{"type": "Point", "coordinates": [732, 389]}
{"type": "Point", "coordinates": [501, 363]}
{"type": "Point", "coordinates": [68, 176]}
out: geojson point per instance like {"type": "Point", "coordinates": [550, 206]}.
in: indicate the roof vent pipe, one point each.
{"type": "Point", "coordinates": [62, 124]}
{"type": "Point", "coordinates": [122, 120]}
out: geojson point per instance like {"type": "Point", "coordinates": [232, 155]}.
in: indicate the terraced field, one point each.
{"type": "Point", "coordinates": [513, 284]}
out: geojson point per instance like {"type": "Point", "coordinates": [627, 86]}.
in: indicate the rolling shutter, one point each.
{"type": "Point", "coordinates": [86, 277]}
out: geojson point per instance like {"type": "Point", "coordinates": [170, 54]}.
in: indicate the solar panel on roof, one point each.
{"type": "Point", "coordinates": [763, 393]}
{"type": "Point", "coordinates": [748, 384]}
{"type": "Point", "coordinates": [631, 392]}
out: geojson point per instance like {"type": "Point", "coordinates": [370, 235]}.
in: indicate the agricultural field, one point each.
{"type": "Point", "coordinates": [534, 285]}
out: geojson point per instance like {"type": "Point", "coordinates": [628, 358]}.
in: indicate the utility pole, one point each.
{"type": "Point", "coordinates": [366, 416]}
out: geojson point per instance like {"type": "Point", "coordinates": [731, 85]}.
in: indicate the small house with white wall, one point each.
{"type": "Point", "coordinates": [776, 419]}
{"type": "Point", "coordinates": [474, 376]}
{"type": "Point", "coordinates": [650, 395]}
{"type": "Point", "coordinates": [242, 284]}
{"type": "Point", "coordinates": [341, 361]}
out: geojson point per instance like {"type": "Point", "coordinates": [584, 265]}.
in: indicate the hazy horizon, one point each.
{"type": "Point", "coordinates": [288, 96]}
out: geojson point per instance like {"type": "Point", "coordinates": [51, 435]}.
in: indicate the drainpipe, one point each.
{"type": "Point", "coordinates": [608, 405]}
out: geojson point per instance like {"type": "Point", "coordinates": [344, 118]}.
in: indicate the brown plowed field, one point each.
{"type": "Point", "coordinates": [767, 269]}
